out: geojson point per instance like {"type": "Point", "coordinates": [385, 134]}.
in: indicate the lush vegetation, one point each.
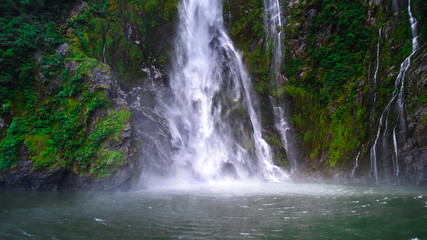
{"type": "Point", "coordinates": [125, 34]}
{"type": "Point", "coordinates": [50, 100]}
{"type": "Point", "coordinates": [420, 10]}
{"type": "Point", "coordinates": [26, 26]}
{"type": "Point", "coordinates": [53, 108]}
{"type": "Point", "coordinates": [331, 80]}
{"type": "Point", "coordinates": [337, 54]}
{"type": "Point", "coordinates": [247, 29]}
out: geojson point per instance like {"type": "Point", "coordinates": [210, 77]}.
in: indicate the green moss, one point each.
{"type": "Point", "coordinates": [9, 149]}
{"type": "Point", "coordinates": [419, 10]}
{"type": "Point", "coordinates": [54, 113]}
{"type": "Point", "coordinates": [324, 82]}
{"type": "Point", "coordinates": [9, 146]}
{"type": "Point", "coordinates": [109, 23]}
{"type": "Point", "coordinates": [107, 162]}
{"type": "Point", "coordinates": [275, 141]}
{"type": "Point", "coordinates": [248, 144]}
{"type": "Point", "coordinates": [112, 125]}
{"type": "Point", "coordinates": [401, 31]}
{"type": "Point", "coordinates": [91, 157]}
{"type": "Point", "coordinates": [247, 30]}
{"type": "Point", "coordinates": [331, 96]}
{"type": "Point", "coordinates": [283, 161]}
{"type": "Point", "coordinates": [54, 125]}
{"type": "Point", "coordinates": [42, 152]}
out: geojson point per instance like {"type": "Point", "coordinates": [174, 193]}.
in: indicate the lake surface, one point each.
{"type": "Point", "coordinates": [246, 210]}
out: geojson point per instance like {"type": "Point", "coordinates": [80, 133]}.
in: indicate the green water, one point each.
{"type": "Point", "coordinates": [224, 211]}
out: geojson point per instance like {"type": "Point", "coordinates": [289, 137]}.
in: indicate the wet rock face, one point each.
{"type": "Point", "coordinates": [24, 177]}
{"type": "Point", "coordinates": [414, 154]}
{"type": "Point", "coordinates": [78, 8]}
{"type": "Point", "coordinates": [228, 170]}
{"type": "Point", "coordinates": [149, 125]}
{"type": "Point", "coordinates": [62, 50]}
{"type": "Point", "coordinates": [101, 79]}
{"type": "Point", "coordinates": [2, 123]}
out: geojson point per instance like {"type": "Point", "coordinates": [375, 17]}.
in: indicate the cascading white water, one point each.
{"type": "Point", "coordinates": [398, 93]}
{"type": "Point", "coordinates": [214, 127]}
{"type": "Point", "coordinates": [385, 155]}
{"type": "Point", "coordinates": [375, 80]}
{"type": "Point", "coordinates": [273, 25]}
{"type": "Point", "coordinates": [373, 155]}
{"type": "Point", "coordinates": [414, 29]}
{"type": "Point", "coordinates": [404, 68]}
{"type": "Point", "coordinates": [396, 154]}
{"type": "Point", "coordinates": [356, 165]}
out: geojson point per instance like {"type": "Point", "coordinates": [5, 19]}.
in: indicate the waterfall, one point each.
{"type": "Point", "coordinates": [212, 118]}
{"type": "Point", "coordinates": [397, 94]}
{"type": "Point", "coordinates": [273, 25]}
{"type": "Point", "coordinates": [375, 80]}
{"type": "Point", "coordinates": [396, 154]}
{"type": "Point", "coordinates": [403, 69]}
{"type": "Point", "coordinates": [373, 154]}
{"type": "Point", "coordinates": [414, 29]}
{"type": "Point", "coordinates": [385, 160]}
{"type": "Point", "coordinates": [356, 165]}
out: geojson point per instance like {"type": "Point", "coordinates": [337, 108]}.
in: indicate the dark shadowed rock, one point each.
{"type": "Point", "coordinates": [62, 50]}
{"type": "Point", "coordinates": [78, 8]}
{"type": "Point", "coordinates": [414, 153]}
{"type": "Point", "coordinates": [2, 123]}
{"type": "Point", "coordinates": [101, 79]}
{"type": "Point", "coordinates": [23, 176]}
{"type": "Point", "coordinates": [150, 128]}
{"type": "Point", "coordinates": [325, 33]}
{"type": "Point", "coordinates": [228, 170]}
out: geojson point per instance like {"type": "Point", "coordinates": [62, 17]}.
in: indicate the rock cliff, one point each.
{"type": "Point", "coordinates": [81, 109]}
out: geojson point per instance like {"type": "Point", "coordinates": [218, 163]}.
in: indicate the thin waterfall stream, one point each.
{"type": "Point", "coordinates": [398, 96]}
{"type": "Point", "coordinates": [375, 79]}
{"type": "Point", "coordinates": [356, 165]}
{"type": "Point", "coordinates": [274, 30]}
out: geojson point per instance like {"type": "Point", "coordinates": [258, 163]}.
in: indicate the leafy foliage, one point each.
{"type": "Point", "coordinates": [343, 53]}
{"type": "Point", "coordinates": [125, 34]}
{"type": "Point", "coordinates": [9, 147]}
{"type": "Point", "coordinates": [52, 97]}
{"type": "Point", "coordinates": [247, 30]}
{"type": "Point", "coordinates": [26, 26]}
{"type": "Point", "coordinates": [330, 81]}
{"type": "Point", "coordinates": [419, 8]}
{"type": "Point", "coordinates": [325, 83]}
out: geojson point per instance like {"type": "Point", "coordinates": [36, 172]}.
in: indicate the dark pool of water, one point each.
{"type": "Point", "coordinates": [246, 210]}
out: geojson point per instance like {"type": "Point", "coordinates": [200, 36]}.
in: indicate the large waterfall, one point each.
{"type": "Point", "coordinates": [274, 27]}
{"type": "Point", "coordinates": [397, 100]}
{"type": "Point", "coordinates": [212, 118]}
